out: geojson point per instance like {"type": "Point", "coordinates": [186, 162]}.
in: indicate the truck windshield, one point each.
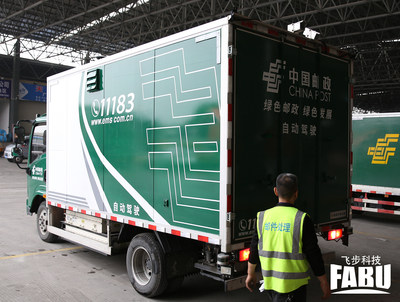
{"type": "Point", "coordinates": [38, 146]}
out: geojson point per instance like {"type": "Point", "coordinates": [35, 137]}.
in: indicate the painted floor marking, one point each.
{"type": "Point", "coordinates": [42, 252]}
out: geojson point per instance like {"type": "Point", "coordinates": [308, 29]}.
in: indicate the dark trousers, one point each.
{"type": "Point", "coordinates": [298, 295]}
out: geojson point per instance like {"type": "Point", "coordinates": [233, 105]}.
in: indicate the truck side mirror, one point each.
{"type": "Point", "coordinates": [20, 133]}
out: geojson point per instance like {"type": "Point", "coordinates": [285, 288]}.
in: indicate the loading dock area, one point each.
{"type": "Point", "coordinates": [31, 269]}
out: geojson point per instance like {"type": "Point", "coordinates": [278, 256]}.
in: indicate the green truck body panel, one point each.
{"type": "Point", "coordinates": [155, 121]}
{"type": "Point", "coordinates": [376, 158]}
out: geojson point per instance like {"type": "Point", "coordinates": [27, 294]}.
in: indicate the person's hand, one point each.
{"type": "Point", "coordinates": [251, 279]}
{"type": "Point", "coordinates": [324, 287]}
{"type": "Point", "coordinates": [251, 282]}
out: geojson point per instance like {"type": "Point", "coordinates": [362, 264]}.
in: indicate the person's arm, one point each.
{"type": "Point", "coordinates": [251, 279]}
{"type": "Point", "coordinates": [323, 282]}
{"type": "Point", "coordinates": [311, 248]}
{"type": "Point", "coordinates": [253, 257]}
{"type": "Point", "coordinates": [314, 256]}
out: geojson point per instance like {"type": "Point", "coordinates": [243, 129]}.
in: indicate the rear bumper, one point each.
{"type": "Point", "coordinates": [239, 282]}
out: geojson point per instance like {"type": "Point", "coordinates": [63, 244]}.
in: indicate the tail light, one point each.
{"type": "Point", "coordinates": [335, 234]}
{"type": "Point", "coordinates": [244, 254]}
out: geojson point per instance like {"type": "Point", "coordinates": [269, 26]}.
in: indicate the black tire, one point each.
{"type": "Point", "coordinates": [18, 159]}
{"type": "Point", "coordinates": [42, 221]}
{"type": "Point", "coordinates": [145, 263]}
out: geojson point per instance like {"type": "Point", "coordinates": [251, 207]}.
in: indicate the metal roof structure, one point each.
{"type": "Point", "coordinates": [368, 29]}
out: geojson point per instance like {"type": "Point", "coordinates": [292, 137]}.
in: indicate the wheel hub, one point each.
{"type": "Point", "coordinates": [141, 266]}
{"type": "Point", "coordinates": [43, 222]}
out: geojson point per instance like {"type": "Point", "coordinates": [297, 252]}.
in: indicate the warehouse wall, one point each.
{"type": "Point", "coordinates": [27, 110]}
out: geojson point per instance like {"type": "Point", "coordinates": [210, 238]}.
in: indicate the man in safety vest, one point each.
{"type": "Point", "coordinates": [285, 244]}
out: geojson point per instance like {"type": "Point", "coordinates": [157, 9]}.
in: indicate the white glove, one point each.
{"type": "Point", "coordinates": [262, 286]}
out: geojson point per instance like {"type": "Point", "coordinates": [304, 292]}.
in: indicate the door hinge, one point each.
{"type": "Point", "coordinates": [232, 51]}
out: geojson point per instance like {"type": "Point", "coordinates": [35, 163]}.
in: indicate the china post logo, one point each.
{"type": "Point", "coordinates": [273, 76]}
{"type": "Point", "coordinates": [381, 152]}
{"type": "Point", "coordinates": [361, 275]}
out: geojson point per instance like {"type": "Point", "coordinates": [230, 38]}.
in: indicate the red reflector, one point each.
{"type": "Point", "coordinates": [229, 158]}
{"type": "Point", "coordinates": [202, 238]}
{"type": "Point", "coordinates": [230, 67]}
{"type": "Point", "coordinates": [229, 204]}
{"type": "Point", "coordinates": [175, 232]}
{"type": "Point", "coordinates": [335, 234]}
{"type": "Point", "coordinates": [244, 254]}
{"type": "Point", "coordinates": [301, 41]}
{"type": "Point", "coordinates": [230, 112]}
{"type": "Point", "coordinates": [248, 24]}
{"type": "Point", "coordinates": [273, 32]}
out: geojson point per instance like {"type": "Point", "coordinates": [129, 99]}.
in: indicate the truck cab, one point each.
{"type": "Point", "coordinates": [36, 177]}
{"type": "Point", "coordinates": [36, 165]}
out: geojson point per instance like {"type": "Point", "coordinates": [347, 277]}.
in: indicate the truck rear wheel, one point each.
{"type": "Point", "coordinates": [145, 262]}
{"type": "Point", "coordinates": [42, 221]}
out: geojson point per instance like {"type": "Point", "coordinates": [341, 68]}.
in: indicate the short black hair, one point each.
{"type": "Point", "coordinates": [286, 184]}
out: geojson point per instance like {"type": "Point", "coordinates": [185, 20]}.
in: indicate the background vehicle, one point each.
{"type": "Point", "coordinates": [174, 146]}
{"type": "Point", "coordinates": [17, 153]}
{"type": "Point", "coordinates": [8, 152]}
{"type": "Point", "coordinates": [376, 182]}
{"type": "Point", "coordinates": [19, 150]}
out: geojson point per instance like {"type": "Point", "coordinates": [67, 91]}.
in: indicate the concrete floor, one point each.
{"type": "Point", "coordinates": [32, 270]}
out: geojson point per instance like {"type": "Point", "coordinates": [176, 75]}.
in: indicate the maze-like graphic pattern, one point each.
{"type": "Point", "coordinates": [185, 138]}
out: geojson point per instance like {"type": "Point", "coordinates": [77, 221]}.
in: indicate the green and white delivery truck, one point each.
{"type": "Point", "coordinates": [174, 146]}
{"type": "Point", "coordinates": [376, 182]}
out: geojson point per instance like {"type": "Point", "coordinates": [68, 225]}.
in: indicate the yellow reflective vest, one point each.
{"type": "Point", "coordinates": [280, 247]}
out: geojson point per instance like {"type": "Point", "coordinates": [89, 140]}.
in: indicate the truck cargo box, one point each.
{"type": "Point", "coordinates": [375, 182]}
{"type": "Point", "coordinates": [153, 135]}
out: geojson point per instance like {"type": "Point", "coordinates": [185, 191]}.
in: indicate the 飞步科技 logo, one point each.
{"type": "Point", "coordinates": [361, 275]}
{"type": "Point", "coordinates": [381, 152]}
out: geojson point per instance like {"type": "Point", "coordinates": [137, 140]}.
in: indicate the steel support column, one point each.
{"type": "Point", "coordinates": [15, 87]}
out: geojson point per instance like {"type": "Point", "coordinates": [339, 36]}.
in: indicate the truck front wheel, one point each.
{"type": "Point", "coordinates": [145, 262]}
{"type": "Point", "coordinates": [42, 221]}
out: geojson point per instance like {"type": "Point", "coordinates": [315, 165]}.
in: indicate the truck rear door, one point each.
{"type": "Point", "coordinates": [291, 113]}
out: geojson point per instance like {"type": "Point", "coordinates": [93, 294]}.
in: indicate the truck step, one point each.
{"type": "Point", "coordinates": [96, 245]}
